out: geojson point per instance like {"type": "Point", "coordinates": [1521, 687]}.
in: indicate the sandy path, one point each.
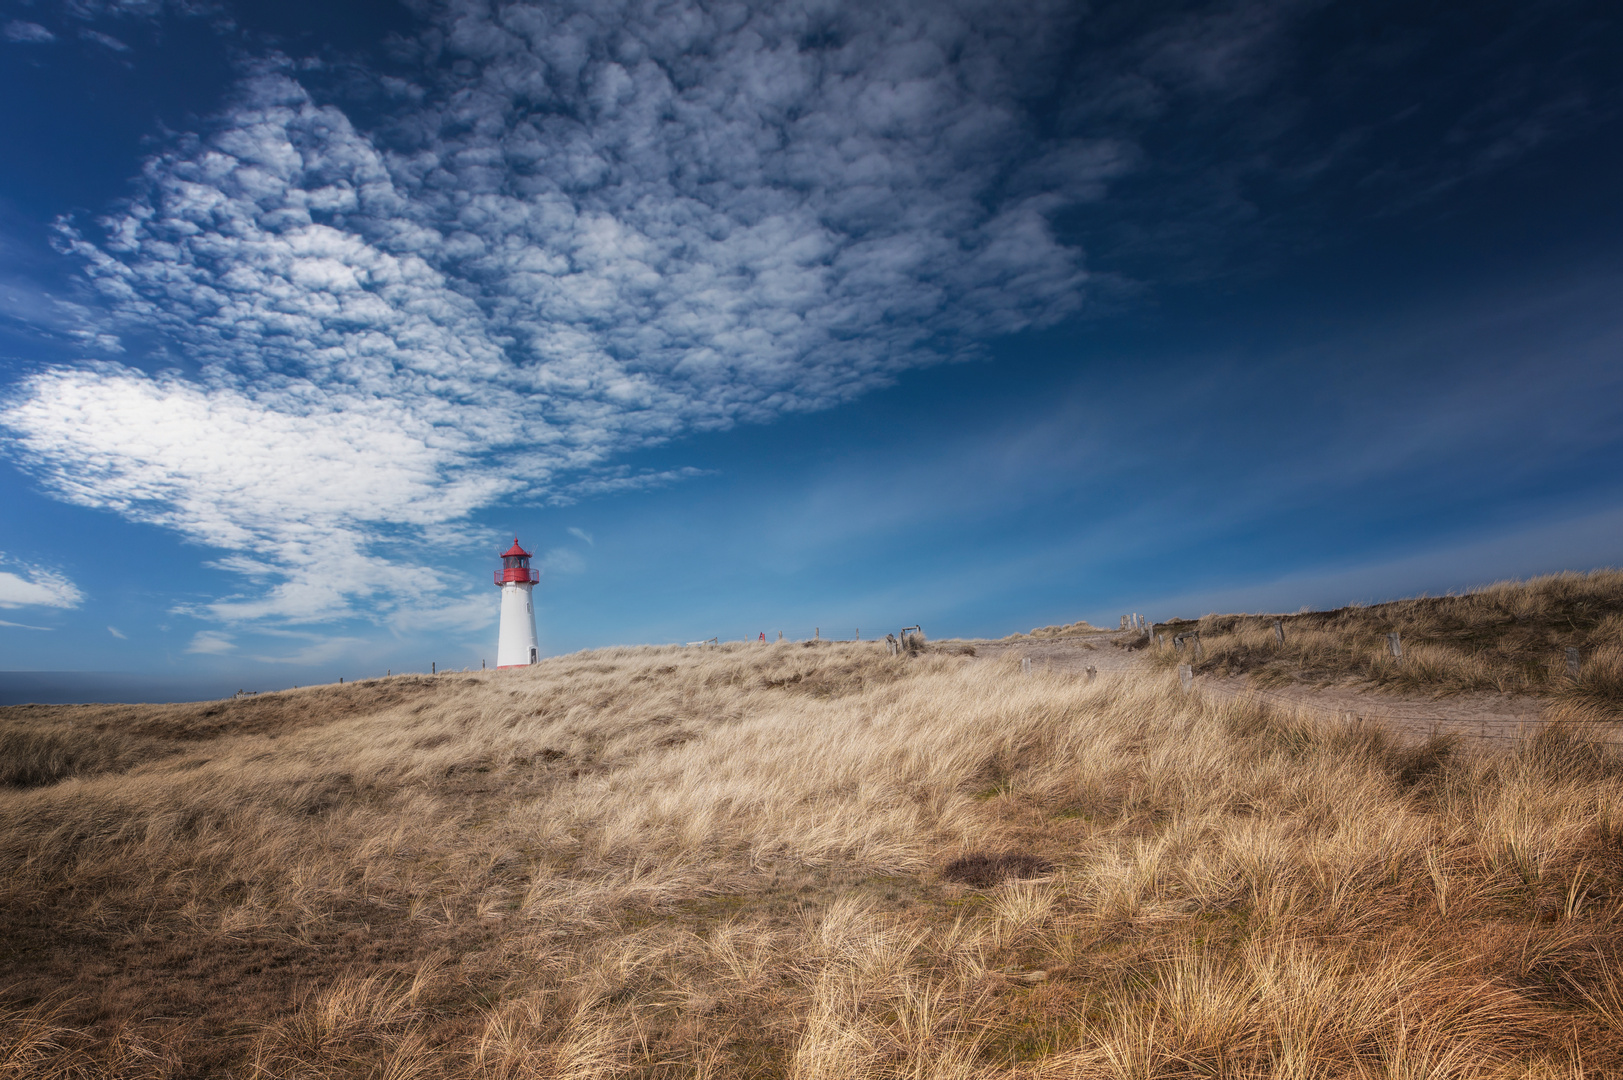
{"type": "Point", "coordinates": [1488, 717]}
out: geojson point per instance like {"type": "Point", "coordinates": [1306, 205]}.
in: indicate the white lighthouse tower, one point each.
{"type": "Point", "coordinates": [517, 646]}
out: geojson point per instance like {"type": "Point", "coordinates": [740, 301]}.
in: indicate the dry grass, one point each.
{"type": "Point", "coordinates": [731, 862]}
{"type": "Point", "coordinates": [1510, 637]}
{"type": "Point", "coordinates": [1076, 629]}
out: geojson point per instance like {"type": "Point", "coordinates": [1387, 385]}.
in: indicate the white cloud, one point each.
{"type": "Point", "coordinates": [107, 40]}
{"type": "Point", "coordinates": [27, 32]}
{"type": "Point", "coordinates": [24, 626]}
{"type": "Point", "coordinates": [138, 9]}
{"type": "Point", "coordinates": [611, 481]}
{"type": "Point", "coordinates": [600, 228]}
{"type": "Point", "coordinates": [119, 634]}
{"type": "Point", "coordinates": [582, 534]}
{"type": "Point", "coordinates": [211, 642]}
{"type": "Point", "coordinates": [37, 587]}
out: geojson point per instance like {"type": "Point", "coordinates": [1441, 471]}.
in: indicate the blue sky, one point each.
{"type": "Point", "coordinates": [982, 316]}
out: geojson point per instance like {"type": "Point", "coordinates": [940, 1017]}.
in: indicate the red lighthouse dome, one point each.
{"type": "Point", "coordinates": [516, 566]}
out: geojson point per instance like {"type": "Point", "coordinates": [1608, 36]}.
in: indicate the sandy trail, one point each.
{"type": "Point", "coordinates": [1488, 717]}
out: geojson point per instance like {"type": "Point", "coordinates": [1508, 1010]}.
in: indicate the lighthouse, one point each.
{"type": "Point", "coordinates": [517, 646]}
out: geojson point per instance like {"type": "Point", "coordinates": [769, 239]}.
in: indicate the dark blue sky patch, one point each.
{"type": "Point", "coordinates": [985, 316]}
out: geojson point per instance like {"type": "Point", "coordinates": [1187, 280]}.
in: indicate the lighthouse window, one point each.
{"type": "Point", "coordinates": [527, 609]}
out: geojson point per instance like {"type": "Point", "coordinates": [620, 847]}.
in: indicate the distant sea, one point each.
{"type": "Point", "coordinates": [67, 687]}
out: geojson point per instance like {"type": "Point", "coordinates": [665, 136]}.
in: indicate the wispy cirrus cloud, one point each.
{"type": "Point", "coordinates": [27, 32]}
{"type": "Point", "coordinates": [107, 41]}
{"type": "Point", "coordinates": [584, 229]}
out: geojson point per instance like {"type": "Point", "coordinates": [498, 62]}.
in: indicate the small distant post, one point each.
{"type": "Point", "coordinates": [780, 635]}
{"type": "Point", "coordinates": [481, 665]}
{"type": "Point", "coordinates": [1186, 675]}
{"type": "Point", "coordinates": [1395, 644]}
{"type": "Point", "coordinates": [817, 633]}
{"type": "Point", "coordinates": [433, 668]}
{"type": "Point", "coordinates": [1279, 632]}
{"type": "Point", "coordinates": [1161, 640]}
{"type": "Point", "coordinates": [1092, 672]}
{"type": "Point", "coordinates": [1200, 650]}
{"type": "Point", "coordinates": [859, 633]}
{"type": "Point", "coordinates": [1025, 665]}
{"type": "Point", "coordinates": [1177, 642]}
{"type": "Point", "coordinates": [1572, 662]}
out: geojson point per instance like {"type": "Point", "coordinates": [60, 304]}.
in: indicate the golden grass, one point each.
{"type": "Point", "coordinates": [1510, 637]}
{"type": "Point", "coordinates": [729, 862]}
{"type": "Point", "coordinates": [1076, 629]}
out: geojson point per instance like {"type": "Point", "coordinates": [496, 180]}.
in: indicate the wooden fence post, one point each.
{"type": "Point", "coordinates": [1200, 650]}
{"type": "Point", "coordinates": [1025, 665]}
{"type": "Point", "coordinates": [1279, 632]}
{"type": "Point", "coordinates": [1395, 643]}
{"type": "Point", "coordinates": [1186, 675]}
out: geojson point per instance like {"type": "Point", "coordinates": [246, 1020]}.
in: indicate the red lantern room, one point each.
{"type": "Point", "coordinates": [516, 567]}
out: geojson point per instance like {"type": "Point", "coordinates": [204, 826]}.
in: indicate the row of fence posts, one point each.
{"type": "Point", "coordinates": [892, 641]}
{"type": "Point", "coordinates": [1394, 645]}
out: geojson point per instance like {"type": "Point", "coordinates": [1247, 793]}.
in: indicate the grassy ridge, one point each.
{"type": "Point", "coordinates": [1510, 637]}
{"type": "Point", "coordinates": [738, 862]}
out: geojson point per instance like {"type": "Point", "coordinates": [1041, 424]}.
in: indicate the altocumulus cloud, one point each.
{"type": "Point", "coordinates": [582, 229]}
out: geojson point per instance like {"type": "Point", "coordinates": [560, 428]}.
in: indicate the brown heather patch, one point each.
{"type": "Point", "coordinates": [732, 862]}
{"type": "Point", "coordinates": [983, 869]}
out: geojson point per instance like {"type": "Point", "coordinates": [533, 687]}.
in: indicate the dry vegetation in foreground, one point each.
{"type": "Point", "coordinates": [1510, 637]}
{"type": "Point", "coordinates": [739, 861]}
